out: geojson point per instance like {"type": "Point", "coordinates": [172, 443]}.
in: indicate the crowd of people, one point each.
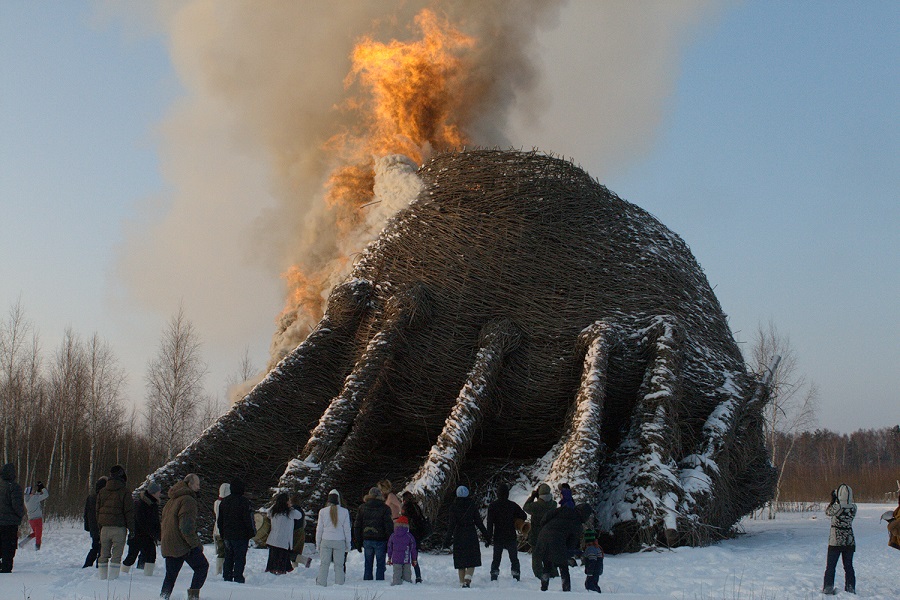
{"type": "Point", "coordinates": [386, 529]}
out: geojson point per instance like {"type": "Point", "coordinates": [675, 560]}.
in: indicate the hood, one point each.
{"type": "Point", "coordinates": [335, 493]}
{"type": "Point", "coordinates": [224, 490]}
{"type": "Point", "coordinates": [179, 489]}
{"type": "Point", "coordinates": [8, 472]}
{"type": "Point", "coordinates": [503, 491]}
{"type": "Point", "coordinates": [845, 495]}
{"type": "Point", "coordinates": [114, 484]}
{"type": "Point", "coordinates": [237, 488]}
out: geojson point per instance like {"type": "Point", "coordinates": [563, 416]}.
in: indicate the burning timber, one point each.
{"type": "Point", "coordinates": [519, 322]}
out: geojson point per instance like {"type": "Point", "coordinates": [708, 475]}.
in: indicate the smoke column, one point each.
{"type": "Point", "coordinates": [250, 151]}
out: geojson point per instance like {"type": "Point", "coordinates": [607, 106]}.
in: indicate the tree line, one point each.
{"type": "Point", "coordinates": [64, 417]}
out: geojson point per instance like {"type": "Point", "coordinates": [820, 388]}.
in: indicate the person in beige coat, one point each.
{"type": "Point", "coordinates": [180, 542]}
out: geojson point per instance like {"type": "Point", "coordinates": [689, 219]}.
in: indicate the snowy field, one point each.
{"type": "Point", "coordinates": [784, 558]}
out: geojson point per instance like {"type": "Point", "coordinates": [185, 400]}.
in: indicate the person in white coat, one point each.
{"type": "Point", "coordinates": [332, 538]}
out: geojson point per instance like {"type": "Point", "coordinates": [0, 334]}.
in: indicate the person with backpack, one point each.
{"type": "Point", "coordinates": [234, 522]}
{"type": "Point", "coordinates": [419, 526]}
{"type": "Point", "coordinates": [12, 511]}
{"type": "Point", "coordinates": [34, 505]}
{"type": "Point", "coordinates": [371, 529]}
{"type": "Point", "coordinates": [501, 528]}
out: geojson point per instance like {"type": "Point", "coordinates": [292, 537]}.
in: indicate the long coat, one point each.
{"type": "Point", "coordinates": [464, 520]}
{"type": "Point", "coordinates": [12, 502]}
{"type": "Point", "coordinates": [560, 535]}
{"type": "Point", "coordinates": [538, 509]}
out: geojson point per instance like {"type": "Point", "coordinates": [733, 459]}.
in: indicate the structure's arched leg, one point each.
{"type": "Point", "coordinates": [405, 311]}
{"type": "Point", "coordinates": [440, 470]}
{"type": "Point", "coordinates": [298, 386]}
{"type": "Point", "coordinates": [582, 448]}
{"type": "Point", "coordinates": [642, 495]}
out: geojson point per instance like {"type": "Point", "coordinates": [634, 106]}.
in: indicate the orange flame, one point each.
{"type": "Point", "coordinates": [413, 101]}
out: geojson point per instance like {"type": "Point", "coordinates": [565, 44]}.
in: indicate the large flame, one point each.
{"type": "Point", "coordinates": [411, 100]}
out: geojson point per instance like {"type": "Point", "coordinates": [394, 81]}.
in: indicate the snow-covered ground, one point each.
{"type": "Point", "coordinates": [784, 558]}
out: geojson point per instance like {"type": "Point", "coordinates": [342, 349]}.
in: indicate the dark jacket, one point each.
{"type": "Point", "coordinates": [538, 509]}
{"type": "Point", "coordinates": [560, 535]}
{"type": "Point", "coordinates": [373, 522]}
{"type": "Point", "coordinates": [146, 516]}
{"type": "Point", "coordinates": [419, 526]}
{"type": "Point", "coordinates": [179, 522]}
{"type": "Point", "coordinates": [115, 506]}
{"type": "Point", "coordinates": [501, 519]}
{"type": "Point", "coordinates": [464, 520]}
{"type": "Point", "coordinates": [90, 517]}
{"type": "Point", "coordinates": [235, 520]}
{"type": "Point", "coordinates": [12, 500]}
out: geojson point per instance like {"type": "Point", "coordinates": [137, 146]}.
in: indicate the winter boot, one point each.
{"type": "Point", "coordinates": [194, 594]}
{"type": "Point", "coordinates": [829, 590]}
{"type": "Point", "coordinates": [125, 569]}
{"type": "Point", "coordinates": [37, 546]}
{"type": "Point", "coordinates": [220, 565]}
{"type": "Point", "coordinates": [148, 569]}
{"type": "Point", "coordinates": [545, 582]}
{"type": "Point", "coordinates": [103, 570]}
{"type": "Point", "coordinates": [850, 589]}
{"type": "Point", "coordinates": [114, 571]}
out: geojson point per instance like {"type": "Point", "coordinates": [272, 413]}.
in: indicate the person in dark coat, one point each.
{"type": "Point", "coordinates": [372, 528]}
{"type": "Point", "coordinates": [465, 523]}
{"type": "Point", "coordinates": [501, 531]}
{"type": "Point", "coordinates": [235, 525]}
{"type": "Point", "coordinates": [559, 538]}
{"type": "Point", "coordinates": [90, 524]}
{"type": "Point", "coordinates": [539, 503]}
{"type": "Point", "coordinates": [12, 511]}
{"type": "Point", "coordinates": [146, 530]}
{"type": "Point", "coordinates": [419, 526]}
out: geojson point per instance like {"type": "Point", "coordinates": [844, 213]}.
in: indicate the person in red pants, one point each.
{"type": "Point", "coordinates": [34, 504]}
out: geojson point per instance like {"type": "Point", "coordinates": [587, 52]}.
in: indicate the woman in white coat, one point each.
{"type": "Point", "coordinates": [332, 538]}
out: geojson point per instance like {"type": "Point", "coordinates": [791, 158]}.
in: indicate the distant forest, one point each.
{"type": "Point", "coordinates": [867, 460]}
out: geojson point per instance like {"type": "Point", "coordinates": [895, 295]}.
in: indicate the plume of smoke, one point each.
{"type": "Point", "coordinates": [246, 151]}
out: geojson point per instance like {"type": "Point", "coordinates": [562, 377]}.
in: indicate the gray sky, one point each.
{"type": "Point", "coordinates": [137, 169]}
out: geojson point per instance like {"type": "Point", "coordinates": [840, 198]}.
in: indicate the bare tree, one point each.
{"type": "Point", "coordinates": [14, 355]}
{"type": "Point", "coordinates": [792, 401]}
{"type": "Point", "coordinates": [175, 386]}
{"type": "Point", "coordinates": [104, 400]}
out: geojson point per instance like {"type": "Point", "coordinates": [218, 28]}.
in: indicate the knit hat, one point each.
{"type": "Point", "coordinates": [462, 492]}
{"type": "Point", "coordinates": [401, 520]}
{"type": "Point", "coordinates": [544, 492]}
{"type": "Point", "coordinates": [590, 535]}
{"type": "Point", "coordinates": [153, 488]}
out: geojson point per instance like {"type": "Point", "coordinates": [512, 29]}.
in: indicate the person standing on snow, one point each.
{"type": "Point", "coordinates": [419, 526]}
{"type": "Point", "coordinates": [180, 542]}
{"type": "Point", "coordinates": [34, 504]}
{"type": "Point", "coordinates": [465, 523]}
{"type": "Point", "coordinates": [841, 542]}
{"type": "Point", "coordinates": [539, 503]}
{"type": "Point", "coordinates": [235, 525]}
{"type": "Point", "coordinates": [401, 551]}
{"type": "Point", "coordinates": [146, 531]}
{"type": "Point", "coordinates": [12, 511]}
{"type": "Point", "coordinates": [90, 524]}
{"type": "Point", "coordinates": [371, 529]}
{"type": "Point", "coordinates": [501, 527]}
{"type": "Point", "coordinates": [224, 491]}
{"type": "Point", "coordinates": [333, 537]}
{"type": "Point", "coordinates": [115, 517]}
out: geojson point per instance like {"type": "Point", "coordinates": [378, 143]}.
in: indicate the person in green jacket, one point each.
{"type": "Point", "coordinates": [539, 503]}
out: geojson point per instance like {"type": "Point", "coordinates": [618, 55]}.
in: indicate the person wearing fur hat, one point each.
{"type": "Point", "coordinates": [401, 551]}
{"type": "Point", "coordinates": [180, 543]}
{"type": "Point", "coordinates": [34, 505]}
{"type": "Point", "coordinates": [115, 517]}
{"type": "Point", "coordinates": [12, 511]}
{"type": "Point", "coordinates": [90, 524]}
{"type": "Point", "coordinates": [462, 531]}
{"type": "Point", "coordinates": [371, 529]}
{"type": "Point", "coordinates": [142, 545]}
{"type": "Point", "coordinates": [224, 490]}
{"type": "Point", "coordinates": [501, 527]}
{"type": "Point", "coordinates": [841, 542]}
{"type": "Point", "coordinates": [539, 503]}
{"type": "Point", "coordinates": [234, 522]}
{"type": "Point", "coordinates": [333, 537]}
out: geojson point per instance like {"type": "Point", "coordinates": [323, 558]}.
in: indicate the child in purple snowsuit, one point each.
{"type": "Point", "coordinates": [401, 551]}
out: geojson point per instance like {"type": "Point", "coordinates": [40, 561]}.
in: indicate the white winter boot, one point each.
{"type": "Point", "coordinates": [220, 565]}
{"type": "Point", "coordinates": [125, 569]}
{"type": "Point", "coordinates": [114, 571]}
{"type": "Point", "coordinates": [103, 570]}
{"type": "Point", "coordinates": [148, 569]}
